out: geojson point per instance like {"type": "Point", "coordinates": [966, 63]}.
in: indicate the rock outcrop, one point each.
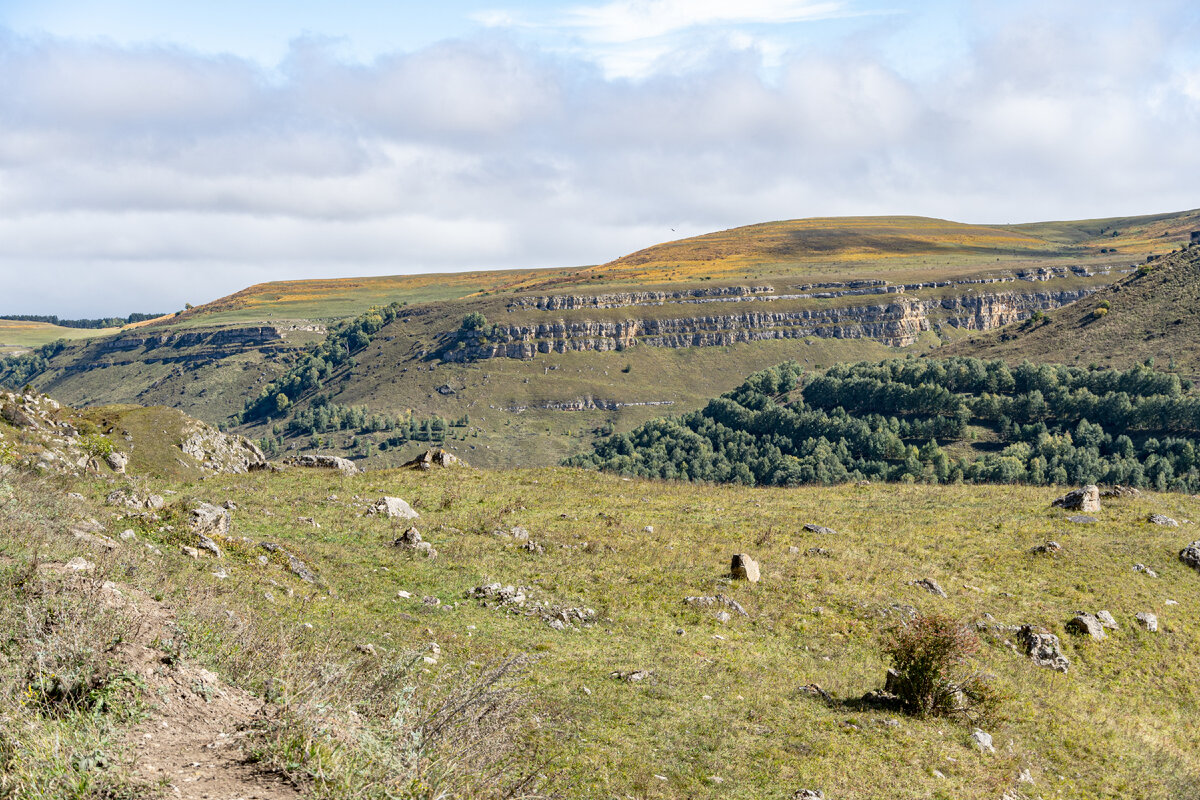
{"type": "Point", "coordinates": [1086, 499]}
{"type": "Point", "coordinates": [896, 323]}
{"type": "Point", "coordinates": [343, 465]}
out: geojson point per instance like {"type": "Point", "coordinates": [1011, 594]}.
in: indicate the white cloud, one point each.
{"type": "Point", "coordinates": [137, 179]}
{"type": "Point", "coordinates": [631, 20]}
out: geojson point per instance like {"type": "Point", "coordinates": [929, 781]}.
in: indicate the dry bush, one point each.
{"type": "Point", "coordinates": [932, 655]}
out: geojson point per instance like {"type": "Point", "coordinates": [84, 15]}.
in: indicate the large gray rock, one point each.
{"type": "Point", "coordinates": [1147, 620]}
{"type": "Point", "coordinates": [1190, 555]}
{"type": "Point", "coordinates": [117, 461]}
{"type": "Point", "coordinates": [1162, 519]}
{"type": "Point", "coordinates": [743, 567]}
{"type": "Point", "coordinates": [1043, 649]}
{"type": "Point", "coordinates": [1086, 499]}
{"type": "Point", "coordinates": [392, 507]}
{"type": "Point", "coordinates": [208, 520]}
{"type": "Point", "coordinates": [1084, 624]}
{"type": "Point", "coordinates": [814, 528]}
{"type": "Point", "coordinates": [342, 465]}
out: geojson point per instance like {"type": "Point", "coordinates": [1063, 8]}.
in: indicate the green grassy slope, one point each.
{"type": "Point", "coordinates": [1155, 315]}
{"type": "Point", "coordinates": [18, 336]}
{"type": "Point", "coordinates": [723, 712]}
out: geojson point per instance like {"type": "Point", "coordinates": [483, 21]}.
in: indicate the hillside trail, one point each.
{"type": "Point", "coordinates": [193, 739]}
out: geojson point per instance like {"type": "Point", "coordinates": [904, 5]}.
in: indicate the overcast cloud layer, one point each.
{"type": "Point", "coordinates": [138, 178]}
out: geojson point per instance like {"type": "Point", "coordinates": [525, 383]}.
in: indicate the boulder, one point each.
{"type": "Point", "coordinates": [1190, 555]}
{"type": "Point", "coordinates": [1085, 499]}
{"type": "Point", "coordinates": [392, 507]}
{"type": "Point", "coordinates": [1149, 573]}
{"type": "Point", "coordinates": [1121, 491]}
{"type": "Point", "coordinates": [1147, 620]}
{"type": "Point", "coordinates": [208, 544]}
{"type": "Point", "coordinates": [929, 585]}
{"type": "Point", "coordinates": [117, 461]}
{"type": "Point", "coordinates": [814, 528]}
{"type": "Point", "coordinates": [1043, 649]}
{"type": "Point", "coordinates": [983, 741]}
{"type": "Point", "coordinates": [1107, 620]}
{"type": "Point", "coordinates": [743, 567]}
{"type": "Point", "coordinates": [209, 520]}
{"type": "Point", "coordinates": [1162, 519]}
{"type": "Point", "coordinates": [435, 457]}
{"type": "Point", "coordinates": [1084, 624]}
{"type": "Point", "coordinates": [342, 465]}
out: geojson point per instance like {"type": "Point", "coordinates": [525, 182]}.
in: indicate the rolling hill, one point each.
{"type": "Point", "coordinates": [1153, 313]}
{"type": "Point", "coordinates": [561, 356]}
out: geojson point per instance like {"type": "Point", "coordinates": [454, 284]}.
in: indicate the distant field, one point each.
{"type": "Point", "coordinates": [16, 335]}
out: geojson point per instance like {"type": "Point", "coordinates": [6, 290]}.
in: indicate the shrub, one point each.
{"type": "Point", "coordinates": [96, 445]}
{"type": "Point", "coordinates": [1100, 312]}
{"type": "Point", "coordinates": [932, 656]}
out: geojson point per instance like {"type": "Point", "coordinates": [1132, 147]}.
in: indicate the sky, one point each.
{"type": "Point", "coordinates": [161, 152]}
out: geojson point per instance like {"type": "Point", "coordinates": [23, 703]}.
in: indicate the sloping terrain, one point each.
{"type": "Point", "coordinates": [551, 357]}
{"type": "Point", "coordinates": [1151, 314]}
{"type": "Point", "coordinates": [649, 671]}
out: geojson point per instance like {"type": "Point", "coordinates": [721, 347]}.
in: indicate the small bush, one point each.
{"type": "Point", "coordinates": [96, 445]}
{"type": "Point", "coordinates": [932, 657]}
{"type": "Point", "coordinates": [1100, 312]}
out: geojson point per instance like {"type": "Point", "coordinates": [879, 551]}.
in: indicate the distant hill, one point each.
{"type": "Point", "coordinates": [557, 357]}
{"type": "Point", "coordinates": [1152, 313]}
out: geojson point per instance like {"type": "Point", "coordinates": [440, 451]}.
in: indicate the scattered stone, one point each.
{"type": "Point", "coordinates": [1048, 548]}
{"type": "Point", "coordinates": [436, 457]}
{"type": "Point", "coordinates": [716, 600]}
{"type": "Point", "coordinates": [815, 690]}
{"type": "Point", "coordinates": [392, 507]}
{"type": "Point", "coordinates": [127, 535]}
{"type": "Point", "coordinates": [814, 528]}
{"type": "Point", "coordinates": [208, 544]}
{"type": "Point", "coordinates": [1086, 499]}
{"type": "Point", "coordinates": [637, 676]}
{"type": "Point", "coordinates": [519, 533]}
{"type": "Point", "coordinates": [403, 594]}
{"type": "Point", "coordinates": [1107, 620]}
{"type": "Point", "coordinates": [648, 529]}
{"type": "Point", "coordinates": [743, 567]}
{"type": "Point", "coordinates": [366, 649]}
{"type": "Point", "coordinates": [80, 564]}
{"type": "Point", "coordinates": [190, 552]}
{"type": "Point", "coordinates": [1043, 649]}
{"type": "Point", "coordinates": [1190, 555]}
{"type": "Point", "coordinates": [1024, 776]}
{"type": "Point", "coordinates": [533, 547]}
{"type": "Point", "coordinates": [94, 540]}
{"type": "Point", "coordinates": [1121, 491]}
{"type": "Point", "coordinates": [221, 573]}
{"type": "Point", "coordinates": [929, 585]}
{"type": "Point", "coordinates": [342, 465]}
{"type": "Point", "coordinates": [1171, 602]}
{"type": "Point", "coordinates": [793, 550]}
{"type": "Point", "coordinates": [1084, 624]}
{"type": "Point", "coordinates": [209, 520]}
{"type": "Point", "coordinates": [723, 617]}
{"type": "Point", "coordinates": [819, 551]}
{"type": "Point", "coordinates": [1082, 519]}
{"type": "Point", "coordinates": [1162, 519]}
{"type": "Point", "coordinates": [301, 570]}
{"type": "Point", "coordinates": [808, 794]}
{"type": "Point", "coordinates": [983, 741]}
{"type": "Point", "coordinates": [117, 461]}
{"type": "Point", "coordinates": [431, 601]}
{"type": "Point", "coordinates": [1146, 570]}
{"type": "Point", "coordinates": [1147, 620]}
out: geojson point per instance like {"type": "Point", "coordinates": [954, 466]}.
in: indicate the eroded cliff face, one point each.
{"type": "Point", "coordinates": [197, 346]}
{"type": "Point", "coordinates": [896, 323]}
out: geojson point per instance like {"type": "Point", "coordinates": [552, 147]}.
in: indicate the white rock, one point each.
{"type": "Point", "coordinates": [983, 741]}
{"type": "Point", "coordinates": [80, 564]}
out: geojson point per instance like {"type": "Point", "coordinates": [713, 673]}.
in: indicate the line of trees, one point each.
{"type": "Point", "coordinates": [103, 322]}
{"type": "Point", "coordinates": [16, 371]}
{"type": "Point", "coordinates": [314, 366]}
{"type": "Point", "coordinates": [928, 420]}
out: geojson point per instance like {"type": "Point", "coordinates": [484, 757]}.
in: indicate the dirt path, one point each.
{"type": "Point", "coordinates": [193, 739]}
